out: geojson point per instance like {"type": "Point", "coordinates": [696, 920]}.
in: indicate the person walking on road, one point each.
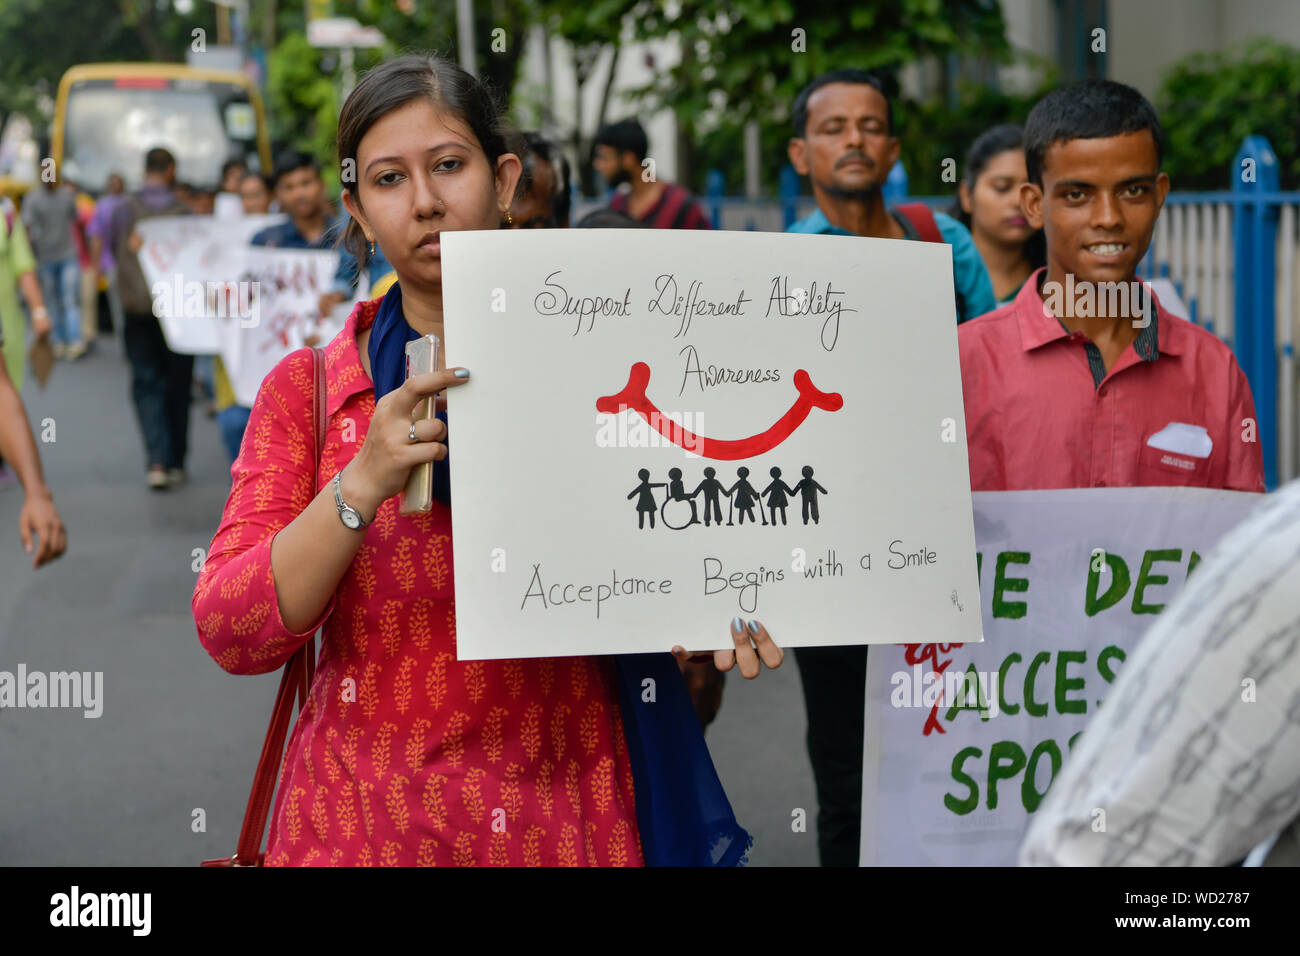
{"type": "Point", "coordinates": [101, 250]}
{"type": "Point", "coordinates": [50, 215]}
{"type": "Point", "coordinates": [160, 378]}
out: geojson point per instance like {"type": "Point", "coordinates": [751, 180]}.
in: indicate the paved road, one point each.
{"type": "Point", "coordinates": [177, 733]}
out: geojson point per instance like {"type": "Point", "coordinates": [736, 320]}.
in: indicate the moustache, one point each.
{"type": "Point", "coordinates": [861, 157]}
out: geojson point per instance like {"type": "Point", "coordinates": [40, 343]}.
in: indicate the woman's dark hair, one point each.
{"type": "Point", "coordinates": [530, 146]}
{"type": "Point", "coordinates": [990, 143]}
{"type": "Point", "coordinates": [391, 85]}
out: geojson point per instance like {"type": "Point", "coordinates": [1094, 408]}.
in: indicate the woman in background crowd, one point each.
{"type": "Point", "coordinates": [988, 204]}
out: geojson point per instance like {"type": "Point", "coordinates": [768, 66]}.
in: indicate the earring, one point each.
{"type": "Point", "coordinates": [372, 247]}
{"type": "Point", "coordinates": [510, 220]}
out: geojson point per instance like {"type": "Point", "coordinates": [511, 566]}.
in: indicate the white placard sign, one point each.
{"type": "Point", "coordinates": [665, 430]}
{"type": "Point", "coordinates": [215, 294]}
{"type": "Point", "coordinates": [962, 742]}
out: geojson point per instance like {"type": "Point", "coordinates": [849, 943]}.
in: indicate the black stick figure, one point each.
{"type": "Point", "coordinates": [776, 495]}
{"type": "Point", "coordinates": [743, 496]}
{"type": "Point", "coordinates": [646, 503]}
{"type": "Point", "coordinates": [711, 488]}
{"type": "Point", "coordinates": [808, 489]}
{"type": "Point", "coordinates": [677, 492]}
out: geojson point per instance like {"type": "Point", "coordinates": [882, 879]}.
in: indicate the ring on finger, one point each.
{"type": "Point", "coordinates": [412, 437]}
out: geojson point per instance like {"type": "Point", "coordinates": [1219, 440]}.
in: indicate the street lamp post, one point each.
{"type": "Point", "coordinates": [465, 35]}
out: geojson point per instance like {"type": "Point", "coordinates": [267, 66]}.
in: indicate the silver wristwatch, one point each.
{"type": "Point", "coordinates": [349, 515]}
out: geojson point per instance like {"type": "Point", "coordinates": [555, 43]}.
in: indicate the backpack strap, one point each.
{"type": "Point", "coordinates": [922, 219]}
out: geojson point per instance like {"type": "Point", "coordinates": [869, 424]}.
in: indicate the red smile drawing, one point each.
{"type": "Point", "coordinates": [634, 397]}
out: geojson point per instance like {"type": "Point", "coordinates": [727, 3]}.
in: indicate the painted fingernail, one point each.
{"type": "Point", "coordinates": [461, 373]}
{"type": "Point", "coordinates": [737, 625]}
{"type": "Point", "coordinates": [753, 627]}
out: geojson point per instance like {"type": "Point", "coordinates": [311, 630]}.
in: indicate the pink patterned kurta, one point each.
{"type": "Point", "coordinates": [404, 755]}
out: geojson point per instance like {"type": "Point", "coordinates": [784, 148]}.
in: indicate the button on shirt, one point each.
{"type": "Point", "coordinates": [1043, 412]}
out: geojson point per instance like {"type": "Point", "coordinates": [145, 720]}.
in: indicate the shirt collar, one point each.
{"type": "Point", "coordinates": [345, 375]}
{"type": "Point", "coordinates": [1038, 326]}
{"type": "Point", "coordinates": [817, 223]}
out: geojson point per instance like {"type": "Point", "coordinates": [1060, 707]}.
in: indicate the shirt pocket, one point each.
{"type": "Point", "coordinates": [1157, 467]}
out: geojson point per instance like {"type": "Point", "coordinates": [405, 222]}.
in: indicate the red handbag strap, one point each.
{"type": "Point", "coordinates": [295, 682]}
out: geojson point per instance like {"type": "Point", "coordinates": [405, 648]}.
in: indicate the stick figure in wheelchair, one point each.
{"type": "Point", "coordinates": [677, 492]}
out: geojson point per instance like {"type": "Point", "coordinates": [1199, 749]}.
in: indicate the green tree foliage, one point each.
{"type": "Point", "coordinates": [747, 59]}
{"type": "Point", "coordinates": [932, 133]}
{"type": "Point", "coordinates": [303, 101]}
{"type": "Point", "coordinates": [304, 85]}
{"type": "Point", "coordinates": [1208, 103]}
{"type": "Point", "coordinates": [431, 25]}
{"type": "Point", "coordinates": [40, 39]}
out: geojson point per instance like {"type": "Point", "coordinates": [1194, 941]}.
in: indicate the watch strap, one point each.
{"type": "Point", "coordinates": [342, 505]}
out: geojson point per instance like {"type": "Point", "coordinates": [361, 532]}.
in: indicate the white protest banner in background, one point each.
{"type": "Point", "coordinates": [215, 294]}
{"type": "Point", "coordinates": [190, 249]}
{"type": "Point", "coordinates": [962, 742]}
{"type": "Point", "coordinates": [664, 430]}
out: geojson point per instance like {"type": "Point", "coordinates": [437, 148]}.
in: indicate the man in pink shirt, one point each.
{"type": "Point", "coordinates": [1084, 380]}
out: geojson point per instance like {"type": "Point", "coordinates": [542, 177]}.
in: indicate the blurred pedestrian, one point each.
{"type": "Point", "coordinates": [619, 156]}
{"type": "Point", "coordinates": [160, 378]}
{"type": "Point", "coordinates": [50, 216]}
{"type": "Point", "coordinates": [88, 270]}
{"type": "Point", "coordinates": [202, 201]}
{"type": "Point", "coordinates": [300, 191]}
{"type": "Point", "coordinates": [255, 194]}
{"type": "Point", "coordinates": [227, 204]}
{"type": "Point", "coordinates": [101, 247]}
{"type": "Point", "coordinates": [988, 204]}
{"type": "Point", "coordinates": [544, 195]}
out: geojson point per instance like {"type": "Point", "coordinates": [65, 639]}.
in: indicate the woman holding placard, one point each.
{"type": "Point", "coordinates": [403, 754]}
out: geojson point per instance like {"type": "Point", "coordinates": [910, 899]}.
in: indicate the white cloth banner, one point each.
{"type": "Point", "coordinates": [213, 293]}
{"type": "Point", "coordinates": [645, 451]}
{"type": "Point", "coordinates": [961, 742]}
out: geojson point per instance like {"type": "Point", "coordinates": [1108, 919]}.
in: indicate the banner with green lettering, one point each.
{"type": "Point", "coordinates": [962, 741]}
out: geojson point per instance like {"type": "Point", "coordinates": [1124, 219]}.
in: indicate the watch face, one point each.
{"type": "Point", "coordinates": [351, 519]}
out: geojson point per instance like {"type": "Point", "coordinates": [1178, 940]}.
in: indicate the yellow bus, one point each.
{"type": "Point", "coordinates": [108, 115]}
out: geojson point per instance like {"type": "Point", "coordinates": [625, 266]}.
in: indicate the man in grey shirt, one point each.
{"type": "Point", "coordinates": [50, 215]}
